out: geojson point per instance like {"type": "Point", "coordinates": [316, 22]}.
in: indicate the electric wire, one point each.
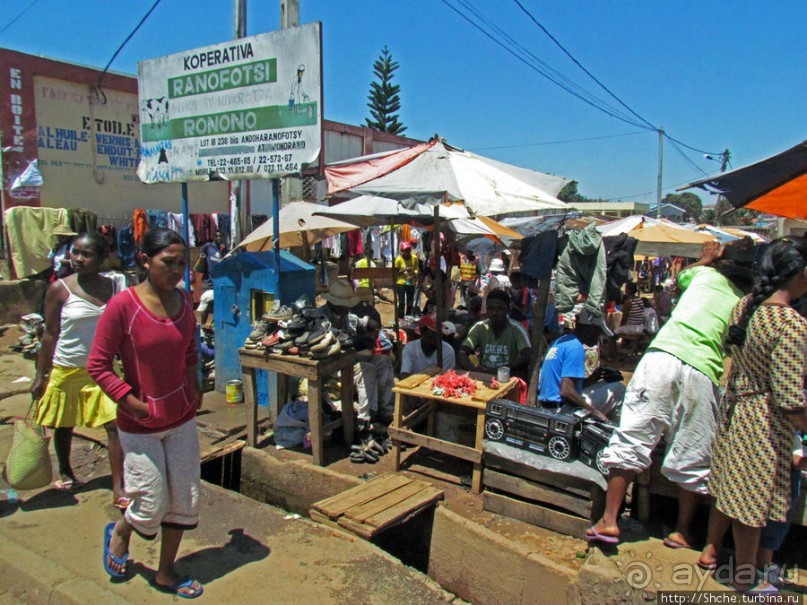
{"type": "Point", "coordinates": [567, 84]}
{"type": "Point", "coordinates": [542, 143]}
{"type": "Point", "coordinates": [17, 18]}
{"type": "Point", "coordinates": [554, 75]}
{"type": "Point", "coordinates": [533, 67]}
{"type": "Point", "coordinates": [124, 43]}
{"type": "Point", "coordinates": [580, 65]}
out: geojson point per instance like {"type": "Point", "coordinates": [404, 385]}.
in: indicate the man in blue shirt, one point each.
{"type": "Point", "coordinates": [563, 371]}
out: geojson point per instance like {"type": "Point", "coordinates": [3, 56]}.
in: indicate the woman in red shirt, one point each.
{"type": "Point", "coordinates": [152, 327]}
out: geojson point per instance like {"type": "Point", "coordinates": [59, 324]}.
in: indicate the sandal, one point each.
{"type": "Point", "coordinates": [120, 561]}
{"type": "Point", "coordinates": [68, 485]}
{"type": "Point", "coordinates": [186, 582]}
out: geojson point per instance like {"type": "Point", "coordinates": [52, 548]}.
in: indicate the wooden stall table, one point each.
{"type": "Point", "coordinates": [316, 371]}
{"type": "Point", "coordinates": [418, 386]}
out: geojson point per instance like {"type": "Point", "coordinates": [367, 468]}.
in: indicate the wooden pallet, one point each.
{"type": "Point", "coordinates": [377, 505]}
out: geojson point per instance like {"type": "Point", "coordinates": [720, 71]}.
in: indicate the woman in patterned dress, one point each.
{"type": "Point", "coordinates": [762, 408]}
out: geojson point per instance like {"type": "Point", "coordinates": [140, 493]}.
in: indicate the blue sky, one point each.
{"type": "Point", "coordinates": [714, 75]}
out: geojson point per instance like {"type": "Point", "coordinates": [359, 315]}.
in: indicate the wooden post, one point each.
{"type": "Point", "coordinates": [538, 342]}
{"type": "Point", "coordinates": [438, 295]}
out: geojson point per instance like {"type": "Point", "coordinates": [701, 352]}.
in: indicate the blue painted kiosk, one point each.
{"type": "Point", "coordinates": [244, 287]}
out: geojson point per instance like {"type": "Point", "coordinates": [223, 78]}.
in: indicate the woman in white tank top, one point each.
{"type": "Point", "coordinates": [67, 395]}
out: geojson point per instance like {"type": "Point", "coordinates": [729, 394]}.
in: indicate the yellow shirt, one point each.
{"type": "Point", "coordinates": [401, 264]}
{"type": "Point", "coordinates": [363, 263]}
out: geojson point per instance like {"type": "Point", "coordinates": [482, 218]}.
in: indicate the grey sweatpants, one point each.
{"type": "Point", "coordinates": [162, 476]}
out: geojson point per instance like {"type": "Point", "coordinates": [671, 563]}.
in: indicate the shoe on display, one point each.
{"type": "Point", "coordinates": [260, 330]}
{"type": "Point", "coordinates": [324, 343]}
{"type": "Point", "coordinates": [282, 313]}
{"type": "Point", "coordinates": [301, 303]}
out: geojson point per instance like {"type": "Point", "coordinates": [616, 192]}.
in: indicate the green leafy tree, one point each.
{"type": "Point", "coordinates": [690, 202]}
{"type": "Point", "coordinates": [384, 99]}
{"type": "Point", "coordinates": [570, 194]}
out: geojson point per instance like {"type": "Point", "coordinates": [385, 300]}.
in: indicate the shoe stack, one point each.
{"type": "Point", "coordinates": [297, 330]}
{"type": "Point", "coordinates": [374, 444]}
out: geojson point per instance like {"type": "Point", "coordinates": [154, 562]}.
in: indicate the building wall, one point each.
{"type": "Point", "coordinates": [85, 142]}
{"type": "Point", "coordinates": [86, 145]}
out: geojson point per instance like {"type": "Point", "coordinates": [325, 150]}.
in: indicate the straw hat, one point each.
{"type": "Point", "coordinates": [63, 229]}
{"type": "Point", "coordinates": [341, 294]}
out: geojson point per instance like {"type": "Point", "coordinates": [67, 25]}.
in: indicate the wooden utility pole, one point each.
{"type": "Point", "coordinates": [660, 165]}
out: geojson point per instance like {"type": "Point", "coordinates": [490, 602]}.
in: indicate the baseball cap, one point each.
{"type": "Point", "coordinates": [426, 321]}
{"type": "Point", "coordinates": [587, 319]}
{"type": "Point", "coordinates": [405, 246]}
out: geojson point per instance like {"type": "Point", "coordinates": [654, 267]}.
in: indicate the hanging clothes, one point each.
{"type": "Point", "coordinates": [176, 222]}
{"type": "Point", "coordinates": [581, 271]}
{"type": "Point", "coordinates": [30, 237]}
{"type": "Point", "coordinates": [619, 260]}
{"type": "Point", "coordinates": [158, 219]}
{"type": "Point", "coordinates": [82, 220]}
{"type": "Point", "coordinates": [203, 228]}
{"type": "Point", "coordinates": [140, 224]}
{"type": "Point", "coordinates": [355, 247]}
{"type": "Point", "coordinates": [538, 254]}
{"type": "Point", "coordinates": [127, 249]}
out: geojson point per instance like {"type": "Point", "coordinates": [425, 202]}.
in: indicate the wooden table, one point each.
{"type": "Point", "coordinates": [316, 371]}
{"type": "Point", "coordinates": [418, 386]}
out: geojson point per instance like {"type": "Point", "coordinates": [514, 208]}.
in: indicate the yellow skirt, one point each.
{"type": "Point", "coordinates": [72, 399]}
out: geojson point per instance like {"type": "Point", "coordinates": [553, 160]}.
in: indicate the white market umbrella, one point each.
{"type": "Point", "coordinates": [436, 172]}
{"type": "Point", "coordinates": [658, 237]}
{"type": "Point", "coordinates": [368, 210]}
{"type": "Point", "coordinates": [299, 226]}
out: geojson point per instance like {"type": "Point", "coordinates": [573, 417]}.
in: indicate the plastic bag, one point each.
{"type": "Point", "coordinates": [291, 424]}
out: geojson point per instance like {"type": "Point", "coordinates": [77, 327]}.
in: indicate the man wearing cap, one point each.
{"type": "Point", "coordinates": [407, 266]}
{"type": "Point", "coordinates": [564, 379]}
{"type": "Point", "coordinates": [372, 374]}
{"type": "Point", "coordinates": [497, 340]}
{"type": "Point", "coordinates": [422, 353]}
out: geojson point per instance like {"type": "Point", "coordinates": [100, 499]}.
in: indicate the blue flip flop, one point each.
{"type": "Point", "coordinates": [108, 531]}
{"type": "Point", "coordinates": [186, 582]}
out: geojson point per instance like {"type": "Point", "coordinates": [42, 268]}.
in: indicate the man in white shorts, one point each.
{"type": "Point", "coordinates": [674, 394]}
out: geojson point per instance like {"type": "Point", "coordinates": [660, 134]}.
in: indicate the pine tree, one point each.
{"type": "Point", "coordinates": [383, 97]}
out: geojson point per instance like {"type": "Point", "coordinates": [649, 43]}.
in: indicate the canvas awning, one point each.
{"type": "Point", "coordinates": [776, 185]}
{"type": "Point", "coordinates": [436, 172]}
{"type": "Point", "coordinates": [658, 237]}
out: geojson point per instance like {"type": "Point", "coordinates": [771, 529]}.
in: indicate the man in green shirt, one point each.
{"type": "Point", "coordinates": [674, 393]}
{"type": "Point", "coordinates": [497, 340]}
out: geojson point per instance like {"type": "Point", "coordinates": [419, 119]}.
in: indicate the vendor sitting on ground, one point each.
{"type": "Point", "coordinates": [564, 378]}
{"type": "Point", "coordinates": [372, 374]}
{"type": "Point", "coordinates": [496, 341]}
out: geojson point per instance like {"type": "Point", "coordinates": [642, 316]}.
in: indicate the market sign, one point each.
{"type": "Point", "coordinates": [246, 109]}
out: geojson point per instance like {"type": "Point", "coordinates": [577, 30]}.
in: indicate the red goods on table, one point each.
{"type": "Point", "coordinates": [494, 384]}
{"type": "Point", "coordinates": [452, 384]}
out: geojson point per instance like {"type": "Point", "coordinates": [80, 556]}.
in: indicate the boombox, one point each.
{"type": "Point", "coordinates": [543, 431]}
{"type": "Point", "coordinates": [593, 439]}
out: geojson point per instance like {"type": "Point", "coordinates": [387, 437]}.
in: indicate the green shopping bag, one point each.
{"type": "Point", "coordinates": [28, 464]}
